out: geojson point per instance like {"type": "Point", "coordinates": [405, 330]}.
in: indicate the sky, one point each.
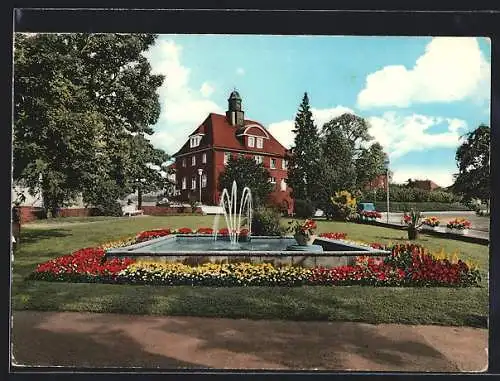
{"type": "Point", "coordinates": [420, 95]}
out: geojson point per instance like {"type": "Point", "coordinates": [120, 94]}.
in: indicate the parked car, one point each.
{"type": "Point", "coordinates": [366, 207]}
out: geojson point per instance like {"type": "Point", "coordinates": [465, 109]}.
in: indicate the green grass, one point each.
{"type": "Point", "coordinates": [445, 306]}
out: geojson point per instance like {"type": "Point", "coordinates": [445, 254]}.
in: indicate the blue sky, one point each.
{"type": "Point", "coordinates": [420, 94]}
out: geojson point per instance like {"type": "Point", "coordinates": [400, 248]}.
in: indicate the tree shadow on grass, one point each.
{"type": "Point", "coordinates": [309, 344]}
{"type": "Point", "coordinates": [96, 346]}
{"type": "Point", "coordinates": [30, 236]}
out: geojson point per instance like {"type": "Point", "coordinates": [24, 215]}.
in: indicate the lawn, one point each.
{"type": "Point", "coordinates": [41, 242]}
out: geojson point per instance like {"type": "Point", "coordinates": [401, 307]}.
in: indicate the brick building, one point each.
{"type": "Point", "coordinates": [206, 152]}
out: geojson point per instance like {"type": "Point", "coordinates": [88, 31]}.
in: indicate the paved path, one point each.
{"type": "Point", "coordinates": [112, 340]}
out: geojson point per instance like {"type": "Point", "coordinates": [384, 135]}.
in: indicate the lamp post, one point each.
{"type": "Point", "coordinates": [386, 164]}
{"type": "Point", "coordinates": [200, 172]}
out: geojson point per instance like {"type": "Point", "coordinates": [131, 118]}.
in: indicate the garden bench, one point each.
{"type": "Point", "coordinates": [130, 210]}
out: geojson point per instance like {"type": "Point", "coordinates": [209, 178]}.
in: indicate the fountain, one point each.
{"type": "Point", "coordinates": [216, 248]}
{"type": "Point", "coordinates": [229, 205]}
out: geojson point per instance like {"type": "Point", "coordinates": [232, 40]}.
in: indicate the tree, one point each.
{"type": "Point", "coordinates": [473, 161]}
{"type": "Point", "coordinates": [304, 167]}
{"type": "Point", "coordinates": [80, 100]}
{"type": "Point", "coordinates": [247, 173]}
{"type": "Point", "coordinates": [369, 164]}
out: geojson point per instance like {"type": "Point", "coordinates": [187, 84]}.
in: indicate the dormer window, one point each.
{"type": "Point", "coordinates": [251, 141]}
{"type": "Point", "coordinates": [194, 141]}
{"type": "Point", "coordinates": [260, 142]}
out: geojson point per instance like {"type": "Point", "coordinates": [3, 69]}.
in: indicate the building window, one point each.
{"type": "Point", "coordinates": [183, 183]}
{"type": "Point", "coordinates": [204, 158]}
{"type": "Point", "coordinates": [284, 164]}
{"type": "Point", "coordinates": [251, 141]}
{"type": "Point", "coordinates": [194, 141]}
{"type": "Point", "coordinates": [283, 185]}
{"type": "Point", "coordinates": [193, 161]}
{"type": "Point", "coordinates": [258, 159]}
{"type": "Point", "coordinates": [260, 142]}
{"type": "Point", "coordinates": [272, 180]}
{"type": "Point", "coordinates": [193, 183]}
{"type": "Point", "coordinates": [204, 180]}
{"type": "Point", "coordinates": [273, 163]}
{"type": "Point", "coordinates": [227, 155]}
{"type": "Point", "coordinates": [184, 163]}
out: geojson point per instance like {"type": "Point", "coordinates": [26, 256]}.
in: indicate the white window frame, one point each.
{"type": "Point", "coordinates": [204, 157]}
{"type": "Point", "coordinates": [193, 160]}
{"type": "Point", "coordinates": [283, 185]}
{"type": "Point", "coordinates": [260, 142]}
{"type": "Point", "coordinates": [272, 163]}
{"type": "Point", "coordinates": [258, 159]}
{"type": "Point", "coordinates": [251, 141]}
{"type": "Point", "coordinates": [184, 183]}
{"type": "Point", "coordinates": [193, 182]}
{"type": "Point", "coordinates": [204, 180]}
{"type": "Point", "coordinates": [272, 180]}
{"type": "Point", "coordinates": [194, 141]}
{"type": "Point", "coordinates": [284, 164]}
{"type": "Point", "coordinates": [227, 155]}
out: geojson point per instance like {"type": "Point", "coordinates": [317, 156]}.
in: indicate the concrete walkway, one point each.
{"type": "Point", "coordinates": [112, 340]}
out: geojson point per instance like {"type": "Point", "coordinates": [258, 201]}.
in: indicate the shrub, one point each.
{"type": "Point", "coordinates": [304, 208]}
{"type": "Point", "coordinates": [266, 221]}
{"type": "Point", "coordinates": [111, 208]}
{"type": "Point", "coordinates": [344, 206]}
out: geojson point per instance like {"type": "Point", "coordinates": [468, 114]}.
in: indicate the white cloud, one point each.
{"type": "Point", "coordinates": [400, 135]}
{"type": "Point", "coordinates": [182, 107]}
{"type": "Point", "coordinates": [282, 130]}
{"type": "Point", "coordinates": [451, 69]}
{"type": "Point", "coordinates": [206, 89]}
{"type": "Point", "coordinates": [441, 176]}
{"type": "Point", "coordinates": [240, 71]}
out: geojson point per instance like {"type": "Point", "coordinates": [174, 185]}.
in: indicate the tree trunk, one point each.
{"type": "Point", "coordinates": [139, 198]}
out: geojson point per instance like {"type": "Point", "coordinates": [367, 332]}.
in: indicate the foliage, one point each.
{"type": "Point", "coordinates": [413, 219]}
{"type": "Point", "coordinates": [473, 160]}
{"type": "Point", "coordinates": [247, 173]}
{"type": "Point", "coordinates": [459, 223]}
{"type": "Point", "coordinates": [343, 206]}
{"type": "Point", "coordinates": [81, 104]}
{"type": "Point", "coordinates": [306, 228]}
{"type": "Point", "coordinates": [304, 166]}
{"type": "Point", "coordinates": [369, 164]}
{"type": "Point", "coordinates": [266, 221]}
{"type": "Point", "coordinates": [107, 208]}
{"type": "Point", "coordinates": [304, 208]}
{"type": "Point", "coordinates": [426, 206]}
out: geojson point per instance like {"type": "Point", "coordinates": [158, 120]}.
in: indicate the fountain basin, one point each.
{"type": "Point", "coordinates": [196, 249]}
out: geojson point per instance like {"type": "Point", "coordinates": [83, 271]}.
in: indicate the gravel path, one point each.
{"type": "Point", "coordinates": [112, 340]}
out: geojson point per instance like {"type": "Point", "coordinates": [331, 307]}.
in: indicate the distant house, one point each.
{"type": "Point", "coordinates": [427, 185]}
{"type": "Point", "coordinates": [378, 182]}
{"type": "Point", "coordinates": [219, 137]}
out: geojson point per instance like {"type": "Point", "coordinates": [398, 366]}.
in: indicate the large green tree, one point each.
{"type": "Point", "coordinates": [304, 167]}
{"type": "Point", "coordinates": [349, 162]}
{"type": "Point", "coordinates": [83, 104]}
{"type": "Point", "coordinates": [473, 160]}
{"type": "Point", "coordinates": [247, 173]}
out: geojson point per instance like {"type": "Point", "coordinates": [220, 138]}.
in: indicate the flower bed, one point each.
{"type": "Point", "coordinates": [408, 265]}
{"type": "Point", "coordinates": [431, 222]}
{"type": "Point", "coordinates": [459, 224]}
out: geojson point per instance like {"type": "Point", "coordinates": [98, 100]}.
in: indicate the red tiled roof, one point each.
{"type": "Point", "coordinates": [220, 134]}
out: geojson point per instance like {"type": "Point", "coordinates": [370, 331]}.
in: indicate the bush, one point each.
{"type": "Point", "coordinates": [394, 206]}
{"type": "Point", "coordinates": [266, 221]}
{"type": "Point", "coordinates": [113, 209]}
{"type": "Point", "coordinates": [304, 209]}
{"type": "Point", "coordinates": [343, 206]}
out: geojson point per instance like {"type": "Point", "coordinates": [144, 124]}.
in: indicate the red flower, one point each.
{"type": "Point", "coordinates": [185, 230]}
{"type": "Point", "coordinates": [205, 231]}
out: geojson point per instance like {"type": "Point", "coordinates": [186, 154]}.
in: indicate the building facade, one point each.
{"type": "Point", "coordinates": [201, 160]}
